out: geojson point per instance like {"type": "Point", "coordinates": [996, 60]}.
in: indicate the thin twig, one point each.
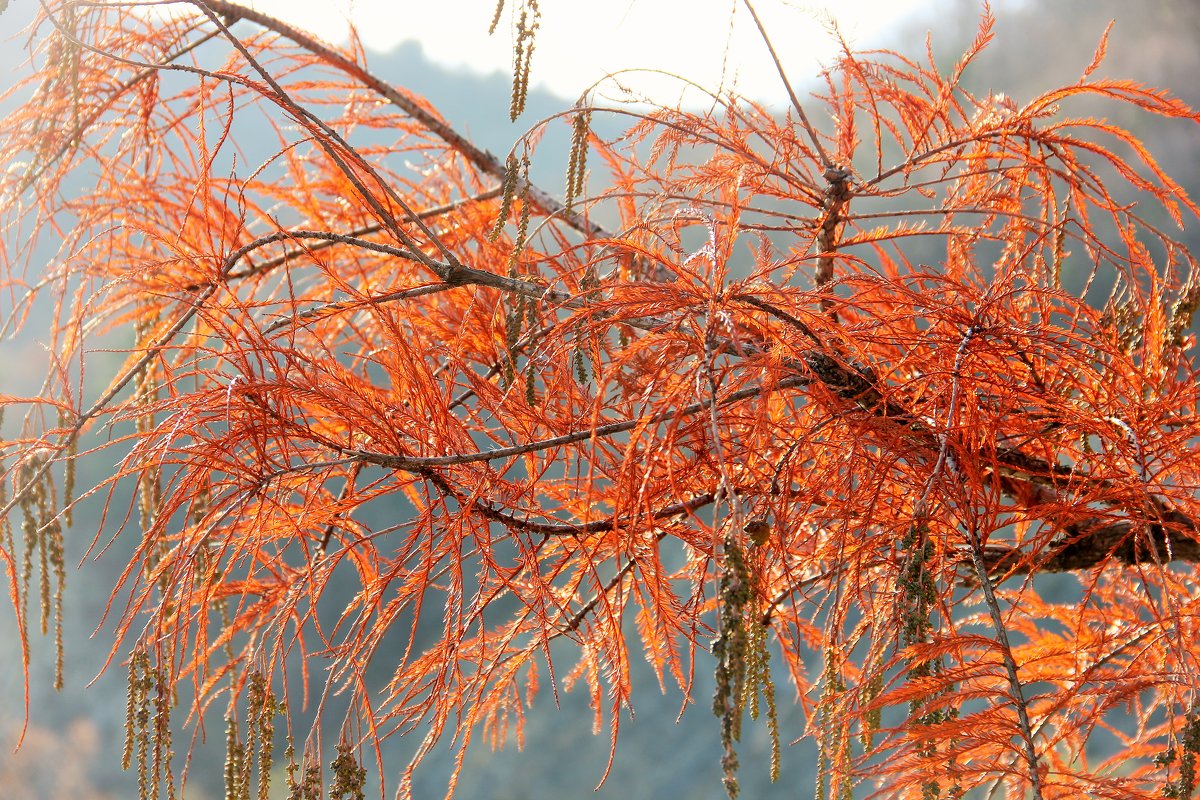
{"type": "Point", "coordinates": [808, 128]}
{"type": "Point", "coordinates": [946, 459]}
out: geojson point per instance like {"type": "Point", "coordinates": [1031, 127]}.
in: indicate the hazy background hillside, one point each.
{"type": "Point", "coordinates": [74, 741]}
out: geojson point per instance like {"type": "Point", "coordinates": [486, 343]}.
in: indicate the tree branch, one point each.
{"type": "Point", "coordinates": [1023, 477]}
{"type": "Point", "coordinates": [482, 159]}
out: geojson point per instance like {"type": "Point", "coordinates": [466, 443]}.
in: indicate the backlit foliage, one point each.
{"type": "Point", "coordinates": [831, 385]}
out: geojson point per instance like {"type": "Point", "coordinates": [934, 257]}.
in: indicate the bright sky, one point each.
{"type": "Point", "coordinates": [580, 42]}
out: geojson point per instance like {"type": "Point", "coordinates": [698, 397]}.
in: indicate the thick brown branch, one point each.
{"type": "Point", "coordinates": [837, 195]}
{"type": "Point", "coordinates": [1022, 477]}
{"type": "Point", "coordinates": [1097, 541]}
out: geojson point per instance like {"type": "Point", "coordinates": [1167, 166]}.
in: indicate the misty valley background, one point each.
{"type": "Point", "coordinates": [73, 744]}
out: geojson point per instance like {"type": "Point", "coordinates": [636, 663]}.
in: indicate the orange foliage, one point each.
{"type": "Point", "coordinates": [723, 397]}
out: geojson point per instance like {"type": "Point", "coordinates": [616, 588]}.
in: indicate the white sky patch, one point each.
{"type": "Point", "coordinates": [579, 43]}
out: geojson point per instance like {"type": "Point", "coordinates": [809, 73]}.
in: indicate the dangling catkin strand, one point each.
{"type": "Point", "coordinates": [587, 282]}
{"type": "Point", "coordinates": [758, 679]}
{"type": "Point", "coordinates": [289, 755]}
{"type": "Point", "coordinates": [581, 370]}
{"type": "Point", "coordinates": [831, 741]}
{"type": "Point", "coordinates": [514, 317]}
{"type": "Point", "coordinates": [507, 190]}
{"type": "Point", "coordinates": [527, 25]}
{"type": "Point", "coordinates": [43, 548]}
{"type": "Point", "coordinates": [34, 515]}
{"type": "Point", "coordinates": [496, 17]}
{"type": "Point", "coordinates": [68, 472]}
{"type": "Point", "coordinates": [577, 161]}
{"type": "Point", "coordinates": [254, 710]}
{"type": "Point", "coordinates": [160, 754]}
{"type": "Point", "coordinates": [349, 777]}
{"type": "Point", "coordinates": [142, 726]}
{"type": "Point", "coordinates": [51, 561]}
{"type": "Point", "coordinates": [514, 257]}
{"type": "Point", "coordinates": [131, 703]}
{"type": "Point", "coordinates": [266, 740]}
{"type": "Point", "coordinates": [58, 562]}
{"type": "Point", "coordinates": [235, 761]}
{"type": "Point", "coordinates": [29, 535]}
{"type": "Point", "coordinates": [165, 699]}
{"type": "Point", "coordinates": [773, 727]}
{"type": "Point", "coordinates": [514, 321]}
{"type": "Point", "coordinates": [42, 535]}
{"type": "Point", "coordinates": [261, 708]}
{"type": "Point", "coordinates": [730, 651]}
{"type": "Point", "coordinates": [918, 597]}
{"type": "Point", "coordinates": [310, 782]}
{"type": "Point", "coordinates": [874, 718]}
